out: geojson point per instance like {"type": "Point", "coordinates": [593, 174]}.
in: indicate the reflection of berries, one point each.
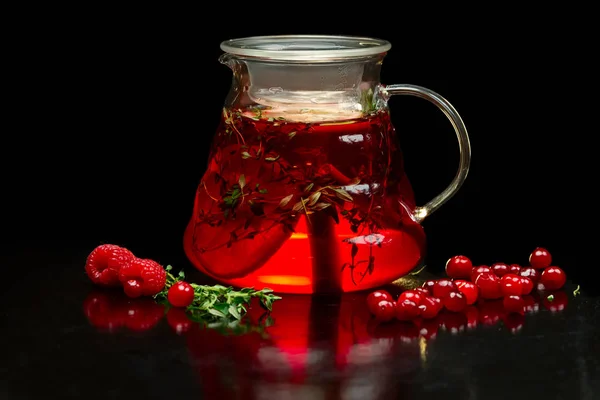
{"type": "Point", "coordinates": [490, 312]}
{"type": "Point", "coordinates": [454, 322]}
{"type": "Point", "coordinates": [178, 320]}
{"type": "Point", "coordinates": [142, 314]}
{"type": "Point", "coordinates": [104, 263]}
{"type": "Point", "coordinates": [472, 314]}
{"type": "Point", "coordinates": [102, 310]}
{"type": "Point", "coordinates": [108, 311]}
{"type": "Point", "coordinates": [514, 322]}
{"type": "Point", "coordinates": [555, 301]}
{"type": "Point", "coordinates": [142, 277]}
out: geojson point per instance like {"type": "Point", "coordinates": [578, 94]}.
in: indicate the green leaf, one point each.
{"type": "Point", "coordinates": [216, 312]}
{"type": "Point", "coordinates": [234, 311]}
{"type": "Point", "coordinates": [246, 155]}
{"type": "Point", "coordinates": [550, 298]}
{"type": "Point", "coordinates": [263, 191]}
{"type": "Point", "coordinates": [242, 181]}
{"type": "Point", "coordinates": [181, 274]}
{"type": "Point", "coordinates": [168, 268]}
{"type": "Point", "coordinates": [270, 158]}
{"type": "Point", "coordinates": [291, 134]}
{"type": "Point", "coordinates": [221, 307]}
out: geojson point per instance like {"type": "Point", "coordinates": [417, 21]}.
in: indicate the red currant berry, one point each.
{"type": "Point", "coordinates": [540, 258]}
{"type": "Point", "coordinates": [526, 285]}
{"type": "Point", "coordinates": [455, 302]}
{"type": "Point", "coordinates": [430, 307]}
{"type": "Point", "coordinates": [555, 301]}
{"type": "Point", "coordinates": [511, 285]}
{"type": "Point", "coordinates": [423, 291]}
{"type": "Point", "coordinates": [407, 310]}
{"type": "Point", "coordinates": [531, 273]}
{"type": "Point", "coordinates": [552, 278]}
{"type": "Point", "coordinates": [459, 267]}
{"type": "Point", "coordinates": [469, 289]}
{"type": "Point", "coordinates": [479, 270]}
{"type": "Point", "coordinates": [500, 269]}
{"type": "Point", "coordinates": [443, 287]}
{"type": "Point", "coordinates": [181, 294]}
{"type": "Point", "coordinates": [429, 286]}
{"type": "Point", "coordinates": [514, 269]}
{"type": "Point", "coordinates": [514, 304]}
{"type": "Point", "coordinates": [385, 310]}
{"type": "Point", "coordinates": [411, 295]}
{"type": "Point", "coordinates": [489, 286]}
{"type": "Point", "coordinates": [375, 297]}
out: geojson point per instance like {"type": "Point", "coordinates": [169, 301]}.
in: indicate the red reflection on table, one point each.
{"type": "Point", "coordinates": [109, 311]}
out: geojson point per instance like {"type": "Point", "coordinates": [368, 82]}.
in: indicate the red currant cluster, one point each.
{"type": "Point", "coordinates": [467, 285]}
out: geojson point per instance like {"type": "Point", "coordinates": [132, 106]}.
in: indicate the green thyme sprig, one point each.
{"type": "Point", "coordinates": [219, 302]}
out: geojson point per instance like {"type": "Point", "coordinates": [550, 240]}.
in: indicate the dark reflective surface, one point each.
{"type": "Point", "coordinates": [61, 336]}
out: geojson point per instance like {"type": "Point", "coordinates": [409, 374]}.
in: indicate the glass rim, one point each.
{"type": "Point", "coordinates": [305, 47]}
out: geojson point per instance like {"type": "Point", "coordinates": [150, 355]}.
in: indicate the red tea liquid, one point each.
{"type": "Point", "coordinates": [304, 207]}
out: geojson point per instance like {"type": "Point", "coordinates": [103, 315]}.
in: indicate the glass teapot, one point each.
{"type": "Point", "coordinates": [305, 189]}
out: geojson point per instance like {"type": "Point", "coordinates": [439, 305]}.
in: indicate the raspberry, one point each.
{"type": "Point", "coordinates": [142, 277]}
{"type": "Point", "coordinates": [104, 263]}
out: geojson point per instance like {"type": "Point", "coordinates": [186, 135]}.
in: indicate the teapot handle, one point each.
{"type": "Point", "coordinates": [464, 147]}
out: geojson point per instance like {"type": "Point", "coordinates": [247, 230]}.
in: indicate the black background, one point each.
{"type": "Point", "coordinates": [114, 117]}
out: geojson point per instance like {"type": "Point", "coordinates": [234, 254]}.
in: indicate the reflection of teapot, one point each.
{"type": "Point", "coordinates": [316, 346]}
{"type": "Point", "coordinates": [305, 189]}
